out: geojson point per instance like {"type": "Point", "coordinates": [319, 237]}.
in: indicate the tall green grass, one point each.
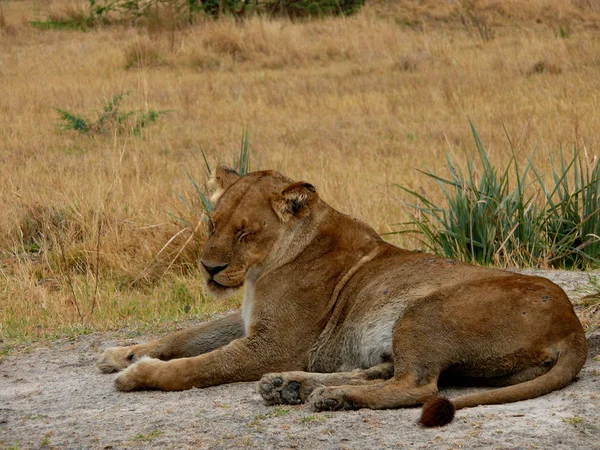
{"type": "Point", "coordinates": [241, 164]}
{"type": "Point", "coordinates": [518, 216]}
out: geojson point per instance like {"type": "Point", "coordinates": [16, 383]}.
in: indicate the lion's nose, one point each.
{"type": "Point", "coordinates": [213, 270]}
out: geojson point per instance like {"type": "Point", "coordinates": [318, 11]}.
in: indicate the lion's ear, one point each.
{"type": "Point", "coordinates": [220, 181]}
{"type": "Point", "coordinates": [295, 200]}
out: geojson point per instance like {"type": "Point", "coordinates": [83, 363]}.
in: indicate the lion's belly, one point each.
{"type": "Point", "coordinates": [372, 344]}
{"type": "Point", "coordinates": [362, 342]}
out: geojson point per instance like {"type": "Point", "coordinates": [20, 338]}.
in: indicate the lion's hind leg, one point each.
{"type": "Point", "coordinates": [295, 387]}
{"type": "Point", "coordinates": [393, 393]}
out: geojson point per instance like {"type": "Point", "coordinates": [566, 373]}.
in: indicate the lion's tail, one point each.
{"type": "Point", "coordinates": [439, 411]}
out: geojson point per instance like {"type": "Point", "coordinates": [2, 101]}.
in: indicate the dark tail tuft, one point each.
{"type": "Point", "coordinates": [437, 412]}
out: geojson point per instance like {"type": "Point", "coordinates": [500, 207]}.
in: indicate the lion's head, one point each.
{"type": "Point", "coordinates": [252, 217]}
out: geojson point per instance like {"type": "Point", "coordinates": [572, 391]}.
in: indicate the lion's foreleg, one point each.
{"type": "Point", "coordinates": [180, 344]}
{"type": "Point", "coordinates": [245, 359]}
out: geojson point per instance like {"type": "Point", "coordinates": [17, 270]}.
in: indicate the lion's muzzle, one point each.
{"type": "Point", "coordinates": [213, 270]}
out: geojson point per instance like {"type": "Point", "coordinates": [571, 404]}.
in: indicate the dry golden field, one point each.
{"type": "Point", "coordinates": [88, 234]}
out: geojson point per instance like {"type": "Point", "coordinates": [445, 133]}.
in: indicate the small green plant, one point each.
{"type": "Point", "coordinates": [489, 220]}
{"type": "Point", "coordinates": [278, 411]}
{"type": "Point", "coordinates": [575, 420]}
{"type": "Point", "coordinates": [141, 437]}
{"type": "Point", "coordinates": [73, 122]}
{"type": "Point", "coordinates": [110, 117]}
{"type": "Point", "coordinates": [563, 32]}
{"type": "Point", "coordinates": [143, 119]}
{"type": "Point", "coordinates": [312, 419]}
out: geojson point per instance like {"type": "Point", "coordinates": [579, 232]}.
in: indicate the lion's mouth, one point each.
{"type": "Point", "coordinates": [223, 282]}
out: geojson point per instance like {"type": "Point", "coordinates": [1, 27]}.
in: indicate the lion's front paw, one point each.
{"type": "Point", "coordinates": [115, 358]}
{"type": "Point", "coordinates": [141, 375]}
{"type": "Point", "coordinates": [329, 399]}
{"type": "Point", "coordinates": [289, 388]}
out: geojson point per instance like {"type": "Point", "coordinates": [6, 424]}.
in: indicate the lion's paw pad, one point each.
{"type": "Point", "coordinates": [275, 390]}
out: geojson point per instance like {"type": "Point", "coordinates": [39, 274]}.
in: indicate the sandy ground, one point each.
{"type": "Point", "coordinates": [54, 397]}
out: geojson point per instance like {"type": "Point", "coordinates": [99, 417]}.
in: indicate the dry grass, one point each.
{"type": "Point", "coordinates": [351, 105]}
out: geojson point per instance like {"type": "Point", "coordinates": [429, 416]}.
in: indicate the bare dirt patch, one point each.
{"type": "Point", "coordinates": [54, 397]}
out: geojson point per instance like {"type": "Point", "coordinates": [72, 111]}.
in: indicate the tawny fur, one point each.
{"type": "Point", "coordinates": [326, 294]}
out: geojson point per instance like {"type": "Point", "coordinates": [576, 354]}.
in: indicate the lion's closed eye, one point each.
{"type": "Point", "coordinates": [244, 236]}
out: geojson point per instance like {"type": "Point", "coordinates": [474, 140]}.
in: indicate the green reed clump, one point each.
{"type": "Point", "coordinates": [515, 216]}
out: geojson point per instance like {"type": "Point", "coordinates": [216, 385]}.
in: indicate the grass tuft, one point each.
{"type": "Point", "coordinates": [488, 219]}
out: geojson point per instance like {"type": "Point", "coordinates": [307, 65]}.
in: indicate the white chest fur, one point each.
{"type": "Point", "coordinates": [248, 303]}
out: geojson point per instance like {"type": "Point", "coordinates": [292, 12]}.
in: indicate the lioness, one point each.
{"type": "Point", "coordinates": [376, 326]}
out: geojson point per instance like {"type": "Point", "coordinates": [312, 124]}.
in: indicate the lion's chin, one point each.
{"type": "Point", "coordinates": [221, 291]}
